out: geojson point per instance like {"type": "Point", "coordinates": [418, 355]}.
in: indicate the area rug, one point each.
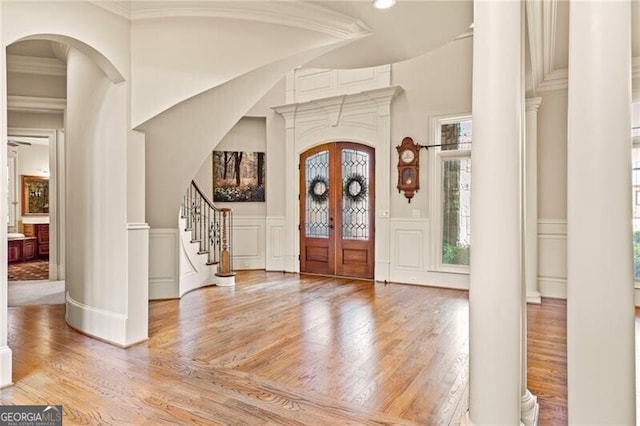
{"type": "Point", "coordinates": [28, 271]}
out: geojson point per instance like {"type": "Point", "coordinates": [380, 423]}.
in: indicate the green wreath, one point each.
{"type": "Point", "coordinates": [355, 187]}
{"type": "Point", "coordinates": [319, 189]}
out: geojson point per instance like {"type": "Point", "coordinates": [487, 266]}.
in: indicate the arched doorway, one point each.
{"type": "Point", "coordinates": [337, 220]}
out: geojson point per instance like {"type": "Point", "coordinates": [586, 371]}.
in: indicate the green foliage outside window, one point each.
{"type": "Point", "coordinates": [455, 254]}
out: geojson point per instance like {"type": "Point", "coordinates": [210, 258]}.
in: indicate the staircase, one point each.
{"type": "Point", "coordinates": [209, 229]}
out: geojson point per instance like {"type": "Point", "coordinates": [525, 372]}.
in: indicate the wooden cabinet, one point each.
{"type": "Point", "coordinates": [14, 250]}
{"type": "Point", "coordinates": [22, 249]}
{"type": "Point", "coordinates": [41, 233]}
{"type": "Point", "coordinates": [29, 248]}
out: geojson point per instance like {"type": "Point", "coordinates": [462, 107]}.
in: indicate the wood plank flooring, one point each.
{"type": "Point", "coordinates": [277, 349]}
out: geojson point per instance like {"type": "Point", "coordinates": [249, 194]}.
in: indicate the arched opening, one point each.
{"type": "Point", "coordinates": [78, 102]}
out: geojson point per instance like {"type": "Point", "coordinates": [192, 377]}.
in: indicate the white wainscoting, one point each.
{"type": "Point", "coordinates": [552, 258]}
{"type": "Point", "coordinates": [410, 256]}
{"type": "Point", "coordinates": [310, 83]}
{"type": "Point", "coordinates": [275, 243]}
{"type": "Point", "coordinates": [164, 268]}
{"type": "Point", "coordinates": [249, 242]}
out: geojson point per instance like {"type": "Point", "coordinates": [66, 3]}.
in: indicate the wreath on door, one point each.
{"type": "Point", "coordinates": [355, 187]}
{"type": "Point", "coordinates": [319, 189]}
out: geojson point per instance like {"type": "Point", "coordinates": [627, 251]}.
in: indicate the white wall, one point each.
{"type": "Point", "coordinates": [31, 161]}
{"type": "Point", "coordinates": [552, 155]}
{"type": "Point", "coordinates": [249, 135]}
{"type": "Point", "coordinates": [26, 120]}
{"type": "Point", "coordinates": [45, 86]}
{"type": "Point", "coordinates": [434, 84]}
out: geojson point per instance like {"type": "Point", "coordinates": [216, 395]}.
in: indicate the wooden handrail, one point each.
{"type": "Point", "coordinates": [211, 227]}
{"type": "Point", "coordinates": [204, 196]}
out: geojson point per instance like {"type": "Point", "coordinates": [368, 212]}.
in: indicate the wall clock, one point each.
{"type": "Point", "coordinates": [408, 167]}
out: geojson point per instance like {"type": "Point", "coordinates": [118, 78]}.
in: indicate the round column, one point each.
{"type": "Point", "coordinates": [496, 291]}
{"type": "Point", "coordinates": [600, 305]}
{"type": "Point", "coordinates": [531, 201]}
{"type": "Point", "coordinates": [5, 352]}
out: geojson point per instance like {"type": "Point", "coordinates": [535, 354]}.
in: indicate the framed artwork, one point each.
{"type": "Point", "coordinates": [238, 176]}
{"type": "Point", "coordinates": [35, 196]}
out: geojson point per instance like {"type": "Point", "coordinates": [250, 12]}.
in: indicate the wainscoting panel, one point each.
{"type": "Point", "coordinates": [410, 256]}
{"type": "Point", "coordinates": [164, 265]}
{"type": "Point", "coordinates": [249, 243]}
{"type": "Point", "coordinates": [552, 258]}
{"type": "Point", "coordinates": [312, 84]}
{"type": "Point", "coordinates": [275, 243]}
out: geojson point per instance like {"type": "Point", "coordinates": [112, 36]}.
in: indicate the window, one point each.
{"type": "Point", "coordinates": [451, 189]}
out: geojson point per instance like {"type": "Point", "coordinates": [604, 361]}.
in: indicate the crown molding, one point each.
{"type": "Point", "coordinates": [120, 8]}
{"type": "Point", "coordinates": [555, 80]}
{"type": "Point", "coordinates": [36, 65]}
{"type": "Point", "coordinates": [35, 104]}
{"type": "Point", "coordinates": [303, 15]}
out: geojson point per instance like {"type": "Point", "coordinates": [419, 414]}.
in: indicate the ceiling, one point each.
{"type": "Point", "coordinates": [408, 30]}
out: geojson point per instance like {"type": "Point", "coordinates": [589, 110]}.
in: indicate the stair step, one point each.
{"type": "Point", "coordinates": [203, 252]}
{"type": "Point", "coordinates": [188, 229]}
{"type": "Point", "coordinates": [213, 263]}
{"type": "Point", "coordinates": [196, 241]}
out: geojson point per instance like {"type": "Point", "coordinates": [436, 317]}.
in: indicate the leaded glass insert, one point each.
{"type": "Point", "coordinates": [355, 195]}
{"type": "Point", "coordinates": [316, 169]}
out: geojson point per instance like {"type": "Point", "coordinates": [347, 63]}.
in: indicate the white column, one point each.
{"type": "Point", "coordinates": [531, 201]}
{"type": "Point", "coordinates": [600, 309]}
{"type": "Point", "coordinates": [5, 352]}
{"type": "Point", "coordinates": [496, 288]}
{"type": "Point", "coordinates": [529, 406]}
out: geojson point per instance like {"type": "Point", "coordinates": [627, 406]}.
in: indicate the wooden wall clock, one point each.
{"type": "Point", "coordinates": [408, 167]}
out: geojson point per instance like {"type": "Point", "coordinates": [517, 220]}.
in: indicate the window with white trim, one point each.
{"type": "Point", "coordinates": [451, 190]}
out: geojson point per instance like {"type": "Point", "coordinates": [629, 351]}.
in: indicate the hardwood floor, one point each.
{"type": "Point", "coordinates": [277, 349]}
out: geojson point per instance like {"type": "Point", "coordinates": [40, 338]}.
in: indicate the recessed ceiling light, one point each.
{"type": "Point", "coordinates": [383, 4]}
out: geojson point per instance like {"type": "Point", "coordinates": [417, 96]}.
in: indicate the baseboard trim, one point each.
{"type": "Point", "coordinates": [110, 327]}
{"type": "Point", "coordinates": [6, 367]}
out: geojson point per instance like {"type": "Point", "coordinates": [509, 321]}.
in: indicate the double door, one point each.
{"type": "Point", "coordinates": [337, 188]}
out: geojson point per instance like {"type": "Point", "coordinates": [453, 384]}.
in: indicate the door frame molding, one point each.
{"type": "Point", "coordinates": [364, 118]}
{"type": "Point", "coordinates": [56, 196]}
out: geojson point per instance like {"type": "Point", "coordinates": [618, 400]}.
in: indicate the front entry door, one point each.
{"type": "Point", "coordinates": [337, 188]}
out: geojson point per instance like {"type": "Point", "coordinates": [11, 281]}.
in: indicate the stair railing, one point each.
{"type": "Point", "coordinates": [211, 227]}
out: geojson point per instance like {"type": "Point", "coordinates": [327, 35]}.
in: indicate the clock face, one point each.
{"type": "Point", "coordinates": [406, 156]}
